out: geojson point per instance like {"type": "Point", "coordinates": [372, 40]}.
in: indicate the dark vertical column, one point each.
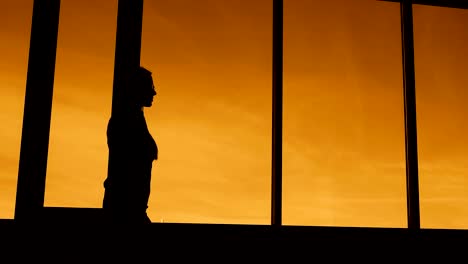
{"type": "Point", "coordinates": [127, 51]}
{"type": "Point", "coordinates": [37, 110]}
{"type": "Point", "coordinates": [128, 44]}
{"type": "Point", "coordinates": [277, 121]}
{"type": "Point", "coordinates": [412, 182]}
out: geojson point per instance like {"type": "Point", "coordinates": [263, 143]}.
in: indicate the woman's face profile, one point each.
{"type": "Point", "coordinates": [148, 92]}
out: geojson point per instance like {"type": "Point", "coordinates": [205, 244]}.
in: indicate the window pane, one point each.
{"type": "Point", "coordinates": [211, 62]}
{"type": "Point", "coordinates": [15, 30]}
{"type": "Point", "coordinates": [343, 160]}
{"type": "Point", "coordinates": [78, 155]}
{"type": "Point", "coordinates": [441, 61]}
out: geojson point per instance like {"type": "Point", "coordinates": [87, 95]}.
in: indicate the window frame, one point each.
{"type": "Point", "coordinates": [39, 89]}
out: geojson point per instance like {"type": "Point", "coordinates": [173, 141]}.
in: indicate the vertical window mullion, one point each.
{"type": "Point", "coordinates": [411, 147]}
{"type": "Point", "coordinates": [37, 110]}
{"type": "Point", "coordinates": [277, 115]}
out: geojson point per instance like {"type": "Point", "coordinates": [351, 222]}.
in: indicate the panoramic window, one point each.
{"type": "Point", "coordinates": [15, 30]}
{"type": "Point", "coordinates": [441, 64]}
{"type": "Point", "coordinates": [344, 152]}
{"type": "Point", "coordinates": [211, 62]}
{"type": "Point", "coordinates": [78, 154]}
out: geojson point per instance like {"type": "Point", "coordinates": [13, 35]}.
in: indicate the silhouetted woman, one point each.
{"type": "Point", "coordinates": [132, 151]}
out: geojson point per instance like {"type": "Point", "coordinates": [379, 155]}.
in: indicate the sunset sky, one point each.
{"type": "Point", "coordinates": [343, 159]}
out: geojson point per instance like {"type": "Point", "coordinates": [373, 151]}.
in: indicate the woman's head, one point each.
{"type": "Point", "coordinates": [141, 88]}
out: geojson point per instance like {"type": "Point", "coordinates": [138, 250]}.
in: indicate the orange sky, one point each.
{"type": "Point", "coordinates": [343, 113]}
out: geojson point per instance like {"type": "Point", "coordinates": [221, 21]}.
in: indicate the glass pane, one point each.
{"type": "Point", "coordinates": [15, 28]}
{"type": "Point", "coordinates": [441, 61]}
{"type": "Point", "coordinates": [344, 159]}
{"type": "Point", "coordinates": [78, 155]}
{"type": "Point", "coordinates": [211, 62]}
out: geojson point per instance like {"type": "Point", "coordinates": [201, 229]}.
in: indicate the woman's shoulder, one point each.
{"type": "Point", "coordinates": [125, 118]}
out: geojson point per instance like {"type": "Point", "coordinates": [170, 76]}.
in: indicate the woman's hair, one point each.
{"type": "Point", "coordinates": [136, 81]}
{"type": "Point", "coordinates": [139, 77]}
